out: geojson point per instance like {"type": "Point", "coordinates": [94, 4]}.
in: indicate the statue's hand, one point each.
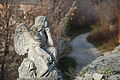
{"type": "Point", "coordinates": [48, 57]}
{"type": "Point", "coordinates": [47, 29]}
{"type": "Point", "coordinates": [41, 52]}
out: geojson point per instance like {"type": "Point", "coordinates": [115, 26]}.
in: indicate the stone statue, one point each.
{"type": "Point", "coordinates": [38, 44]}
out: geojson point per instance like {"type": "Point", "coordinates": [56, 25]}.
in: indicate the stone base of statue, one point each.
{"type": "Point", "coordinates": [45, 78]}
{"type": "Point", "coordinates": [28, 70]}
{"type": "Point", "coordinates": [50, 78]}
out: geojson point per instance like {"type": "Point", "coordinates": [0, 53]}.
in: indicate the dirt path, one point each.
{"type": "Point", "coordinates": [83, 52]}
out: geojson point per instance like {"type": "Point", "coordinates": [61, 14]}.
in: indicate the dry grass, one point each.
{"type": "Point", "coordinates": [105, 37]}
{"type": "Point", "coordinates": [103, 40]}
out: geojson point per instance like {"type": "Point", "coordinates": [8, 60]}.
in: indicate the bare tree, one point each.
{"type": "Point", "coordinates": [57, 12]}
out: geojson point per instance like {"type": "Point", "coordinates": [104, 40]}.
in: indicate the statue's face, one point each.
{"type": "Point", "coordinates": [40, 22]}
{"type": "Point", "coordinates": [36, 37]}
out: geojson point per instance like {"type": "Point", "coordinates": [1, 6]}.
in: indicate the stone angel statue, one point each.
{"type": "Point", "coordinates": [38, 44]}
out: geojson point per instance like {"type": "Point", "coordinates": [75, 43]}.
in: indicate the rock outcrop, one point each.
{"type": "Point", "coordinates": [104, 67]}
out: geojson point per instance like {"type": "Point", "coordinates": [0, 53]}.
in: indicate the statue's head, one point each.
{"type": "Point", "coordinates": [40, 22]}
{"type": "Point", "coordinates": [35, 36]}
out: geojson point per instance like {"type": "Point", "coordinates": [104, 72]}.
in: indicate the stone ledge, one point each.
{"type": "Point", "coordinates": [38, 78]}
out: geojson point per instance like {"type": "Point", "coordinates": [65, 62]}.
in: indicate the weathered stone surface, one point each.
{"type": "Point", "coordinates": [27, 69]}
{"type": "Point", "coordinates": [79, 78]}
{"type": "Point", "coordinates": [114, 77]}
{"type": "Point", "coordinates": [51, 78]}
{"type": "Point", "coordinates": [88, 76]}
{"type": "Point", "coordinates": [41, 59]}
{"type": "Point", "coordinates": [97, 76]}
{"type": "Point", "coordinates": [112, 60]}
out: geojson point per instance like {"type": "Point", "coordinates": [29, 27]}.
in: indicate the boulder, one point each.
{"type": "Point", "coordinates": [111, 60]}
{"type": "Point", "coordinates": [88, 76]}
{"type": "Point", "coordinates": [97, 76]}
{"type": "Point", "coordinates": [114, 77]}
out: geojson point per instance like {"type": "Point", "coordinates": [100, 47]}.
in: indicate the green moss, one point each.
{"type": "Point", "coordinates": [107, 71]}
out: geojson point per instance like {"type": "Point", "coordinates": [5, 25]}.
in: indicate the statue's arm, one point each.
{"type": "Point", "coordinates": [42, 53]}
{"type": "Point", "coordinates": [50, 40]}
{"type": "Point", "coordinates": [47, 30]}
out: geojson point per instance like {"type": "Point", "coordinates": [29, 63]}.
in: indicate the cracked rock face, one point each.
{"type": "Point", "coordinates": [112, 60]}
